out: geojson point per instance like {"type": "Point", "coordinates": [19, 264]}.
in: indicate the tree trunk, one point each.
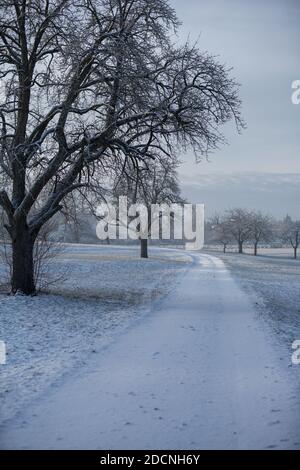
{"type": "Point", "coordinates": [224, 248]}
{"type": "Point", "coordinates": [255, 249]}
{"type": "Point", "coordinates": [241, 247]}
{"type": "Point", "coordinates": [144, 248]}
{"type": "Point", "coordinates": [22, 262]}
{"type": "Point", "coordinates": [295, 252]}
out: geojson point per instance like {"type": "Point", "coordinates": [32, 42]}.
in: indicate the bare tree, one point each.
{"type": "Point", "coordinates": [86, 85]}
{"type": "Point", "coordinates": [45, 251]}
{"type": "Point", "coordinates": [221, 231]}
{"type": "Point", "coordinates": [261, 229]}
{"type": "Point", "coordinates": [155, 184]}
{"type": "Point", "coordinates": [239, 224]}
{"type": "Point", "coordinates": [290, 233]}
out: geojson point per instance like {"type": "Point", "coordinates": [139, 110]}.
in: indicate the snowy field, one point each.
{"type": "Point", "coordinates": [103, 291]}
{"type": "Point", "coordinates": [272, 280]}
{"type": "Point", "coordinates": [202, 371]}
{"type": "Point", "coordinates": [107, 359]}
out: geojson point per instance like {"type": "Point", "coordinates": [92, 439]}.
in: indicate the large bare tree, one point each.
{"type": "Point", "coordinates": [85, 85]}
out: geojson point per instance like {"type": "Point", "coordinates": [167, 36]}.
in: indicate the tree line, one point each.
{"type": "Point", "coordinates": [241, 226]}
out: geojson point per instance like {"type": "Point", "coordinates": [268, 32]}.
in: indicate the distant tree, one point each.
{"type": "Point", "coordinates": [291, 233]}
{"type": "Point", "coordinates": [221, 231]}
{"type": "Point", "coordinates": [157, 184]}
{"type": "Point", "coordinates": [261, 229]}
{"type": "Point", "coordinates": [238, 222]}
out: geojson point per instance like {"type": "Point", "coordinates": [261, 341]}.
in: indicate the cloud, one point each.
{"type": "Point", "coordinates": [274, 193]}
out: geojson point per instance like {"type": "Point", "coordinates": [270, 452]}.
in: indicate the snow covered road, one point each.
{"type": "Point", "coordinates": [199, 372]}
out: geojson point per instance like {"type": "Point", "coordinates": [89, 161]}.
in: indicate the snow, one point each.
{"type": "Point", "coordinates": [200, 370]}
{"type": "Point", "coordinates": [272, 280]}
{"type": "Point", "coordinates": [50, 335]}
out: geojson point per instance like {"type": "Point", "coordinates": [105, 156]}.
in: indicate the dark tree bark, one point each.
{"type": "Point", "coordinates": [22, 261]}
{"type": "Point", "coordinates": [224, 247]}
{"type": "Point", "coordinates": [255, 248]}
{"type": "Point", "coordinates": [240, 247]}
{"type": "Point", "coordinates": [295, 252]}
{"type": "Point", "coordinates": [144, 248]}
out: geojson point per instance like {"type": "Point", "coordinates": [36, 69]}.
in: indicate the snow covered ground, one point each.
{"type": "Point", "coordinates": [272, 279]}
{"type": "Point", "coordinates": [201, 370]}
{"type": "Point", "coordinates": [104, 290]}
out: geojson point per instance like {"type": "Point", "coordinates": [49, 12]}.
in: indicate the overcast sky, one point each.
{"type": "Point", "coordinates": [261, 41]}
